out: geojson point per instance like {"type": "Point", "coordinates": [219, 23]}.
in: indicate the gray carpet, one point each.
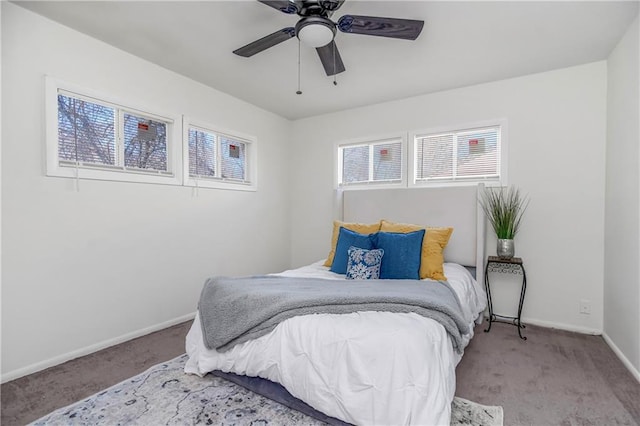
{"type": "Point", "coordinates": [165, 395]}
{"type": "Point", "coordinates": [553, 378]}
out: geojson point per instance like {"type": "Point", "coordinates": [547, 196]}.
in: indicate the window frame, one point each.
{"type": "Point", "coordinates": [371, 142]}
{"type": "Point", "coordinates": [251, 157]}
{"type": "Point", "coordinates": [54, 168]}
{"type": "Point", "coordinates": [501, 180]}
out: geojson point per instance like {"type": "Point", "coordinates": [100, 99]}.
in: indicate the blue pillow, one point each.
{"type": "Point", "coordinates": [364, 264]}
{"type": "Point", "coordinates": [347, 239]}
{"type": "Point", "coordinates": [402, 253]}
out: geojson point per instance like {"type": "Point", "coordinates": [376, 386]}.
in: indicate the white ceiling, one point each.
{"type": "Point", "coordinates": [463, 43]}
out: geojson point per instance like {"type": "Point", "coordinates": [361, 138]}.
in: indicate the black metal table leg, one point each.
{"type": "Point", "coordinates": [488, 290]}
{"type": "Point", "coordinates": [522, 293]}
{"type": "Point", "coordinates": [513, 265]}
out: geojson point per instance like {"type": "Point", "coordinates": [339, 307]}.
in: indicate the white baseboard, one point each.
{"type": "Point", "coordinates": [24, 371]}
{"type": "Point", "coordinates": [561, 326]}
{"type": "Point", "coordinates": [623, 358]}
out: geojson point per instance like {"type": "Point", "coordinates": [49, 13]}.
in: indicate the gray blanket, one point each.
{"type": "Point", "coordinates": [235, 310]}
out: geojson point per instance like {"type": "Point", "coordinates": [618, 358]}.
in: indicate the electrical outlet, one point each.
{"type": "Point", "coordinates": [585, 307]}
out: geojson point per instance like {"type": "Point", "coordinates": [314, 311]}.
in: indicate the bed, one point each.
{"type": "Point", "coordinates": [370, 366]}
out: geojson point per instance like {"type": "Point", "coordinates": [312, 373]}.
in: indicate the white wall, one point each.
{"type": "Point", "coordinates": [0, 182]}
{"type": "Point", "coordinates": [622, 207]}
{"type": "Point", "coordinates": [556, 143]}
{"type": "Point", "coordinates": [85, 269]}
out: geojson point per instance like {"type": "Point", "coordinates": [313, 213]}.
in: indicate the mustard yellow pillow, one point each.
{"type": "Point", "coordinates": [360, 228]}
{"type": "Point", "coordinates": [433, 244]}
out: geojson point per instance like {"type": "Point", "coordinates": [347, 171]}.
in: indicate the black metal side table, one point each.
{"type": "Point", "coordinates": [509, 266]}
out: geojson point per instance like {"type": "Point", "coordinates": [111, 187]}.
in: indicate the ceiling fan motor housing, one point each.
{"type": "Point", "coordinates": [306, 8]}
{"type": "Point", "coordinates": [331, 5]}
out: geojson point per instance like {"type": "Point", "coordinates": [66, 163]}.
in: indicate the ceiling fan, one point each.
{"type": "Point", "coordinates": [316, 29]}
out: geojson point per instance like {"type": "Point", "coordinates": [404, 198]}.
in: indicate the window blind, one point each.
{"type": "Point", "coordinates": [375, 162]}
{"type": "Point", "coordinates": [217, 156]}
{"type": "Point", "coordinates": [145, 143]}
{"type": "Point", "coordinates": [233, 158]}
{"type": "Point", "coordinates": [355, 164]}
{"type": "Point", "coordinates": [202, 153]}
{"type": "Point", "coordinates": [86, 131]}
{"type": "Point", "coordinates": [387, 161]}
{"type": "Point", "coordinates": [87, 137]}
{"type": "Point", "coordinates": [467, 154]}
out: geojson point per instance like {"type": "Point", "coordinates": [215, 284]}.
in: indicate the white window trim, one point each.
{"type": "Point", "coordinates": [377, 139]}
{"type": "Point", "coordinates": [55, 169]}
{"type": "Point", "coordinates": [501, 181]}
{"type": "Point", "coordinates": [251, 169]}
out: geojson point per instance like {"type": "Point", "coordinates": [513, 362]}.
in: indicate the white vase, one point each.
{"type": "Point", "coordinates": [506, 249]}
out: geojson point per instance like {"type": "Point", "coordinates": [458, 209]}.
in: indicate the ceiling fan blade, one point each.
{"type": "Point", "coordinates": [407, 29]}
{"type": "Point", "coordinates": [284, 6]}
{"type": "Point", "coordinates": [330, 58]}
{"type": "Point", "coordinates": [266, 42]}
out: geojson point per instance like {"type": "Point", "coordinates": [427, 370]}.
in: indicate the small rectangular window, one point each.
{"type": "Point", "coordinates": [202, 153]}
{"type": "Point", "coordinates": [470, 155]}
{"type": "Point", "coordinates": [219, 159]}
{"type": "Point", "coordinates": [145, 143]}
{"type": "Point", "coordinates": [379, 162]}
{"type": "Point", "coordinates": [233, 153]}
{"type": "Point", "coordinates": [86, 131]}
{"type": "Point", "coordinates": [387, 161]}
{"type": "Point", "coordinates": [355, 164]}
{"type": "Point", "coordinates": [90, 137]}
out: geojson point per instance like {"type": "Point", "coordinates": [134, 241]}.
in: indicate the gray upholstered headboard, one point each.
{"type": "Point", "coordinates": [456, 207]}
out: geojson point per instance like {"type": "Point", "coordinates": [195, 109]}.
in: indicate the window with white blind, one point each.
{"type": "Point", "coordinates": [369, 163]}
{"type": "Point", "coordinates": [467, 155]}
{"type": "Point", "coordinates": [215, 158]}
{"type": "Point", "coordinates": [92, 137]}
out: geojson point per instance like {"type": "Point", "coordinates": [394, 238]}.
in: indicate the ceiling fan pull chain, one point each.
{"type": "Point", "coordinates": [299, 92]}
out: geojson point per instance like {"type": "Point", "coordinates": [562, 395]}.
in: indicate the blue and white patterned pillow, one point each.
{"type": "Point", "coordinates": [364, 264]}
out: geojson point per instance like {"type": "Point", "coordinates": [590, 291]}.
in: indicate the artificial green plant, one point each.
{"type": "Point", "coordinates": [504, 207]}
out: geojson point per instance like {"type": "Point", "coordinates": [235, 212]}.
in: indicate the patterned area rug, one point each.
{"type": "Point", "coordinates": [165, 395]}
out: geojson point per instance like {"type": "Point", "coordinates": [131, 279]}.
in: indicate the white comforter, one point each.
{"type": "Point", "coordinates": [373, 368]}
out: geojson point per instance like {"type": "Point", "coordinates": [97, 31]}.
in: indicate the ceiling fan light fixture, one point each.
{"type": "Point", "coordinates": [316, 34]}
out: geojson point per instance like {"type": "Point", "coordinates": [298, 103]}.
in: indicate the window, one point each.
{"type": "Point", "coordinates": [86, 132]}
{"type": "Point", "coordinates": [469, 155]}
{"type": "Point", "coordinates": [90, 137]}
{"type": "Point", "coordinates": [465, 155]}
{"type": "Point", "coordinates": [371, 163]}
{"type": "Point", "coordinates": [218, 159]}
